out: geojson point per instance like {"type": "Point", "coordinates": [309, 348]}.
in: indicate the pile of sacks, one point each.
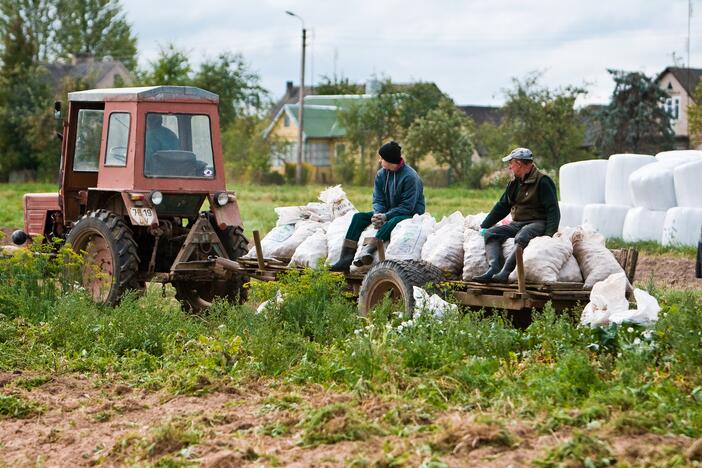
{"type": "Point", "coordinates": [636, 197]}
{"type": "Point", "coordinates": [306, 235]}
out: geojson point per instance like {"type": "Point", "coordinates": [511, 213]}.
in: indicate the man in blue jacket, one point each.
{"type": "Point", "coordinates": [398, 194]}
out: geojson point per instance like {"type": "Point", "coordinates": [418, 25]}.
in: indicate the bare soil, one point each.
{"type": "Point", "coordinates": [110, 424]}
{"type": "Point", "coordinates": [667, 271]}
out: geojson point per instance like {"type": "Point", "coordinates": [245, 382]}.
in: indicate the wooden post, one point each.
{"type": "Point", "coordinates": [259, 250]}
{"type": "Point", "coordinates": [381, 249]}
{"type": "Point", "coordinates": [521, 283]}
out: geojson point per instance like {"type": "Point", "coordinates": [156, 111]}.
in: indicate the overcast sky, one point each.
{"type": "Point", "coordinates": [471, 49]}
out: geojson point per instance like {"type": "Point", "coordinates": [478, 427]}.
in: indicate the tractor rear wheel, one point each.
{"type": "Point", "coordinates": [396, 279]}
{"type": "Point", "coordinates": [111, 261]}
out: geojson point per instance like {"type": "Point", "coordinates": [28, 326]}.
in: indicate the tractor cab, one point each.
{"type": "Point", "coordinates": [146, 158]}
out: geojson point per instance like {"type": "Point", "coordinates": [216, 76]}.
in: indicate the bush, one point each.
{"type": "Point", "coordinates": [307, 171]}
{"type": "Point", "coordinates": [273, 178]}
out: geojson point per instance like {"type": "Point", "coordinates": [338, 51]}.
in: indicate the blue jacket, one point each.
{"type": "Point", "coordinates": [398, 193]}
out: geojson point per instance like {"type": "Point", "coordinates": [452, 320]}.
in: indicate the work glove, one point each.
{"type": "Point", "coordinates": [482, 232]}
{"type": "Point", "coordinates": [378, 220]}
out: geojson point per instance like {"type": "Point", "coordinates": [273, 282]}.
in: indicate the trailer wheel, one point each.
{"type": "Point", "coordinates": [395, 278]}
{"type": "Point", "coordinates": [198, 296]}
{"type": "Point", "coordinates": [111, 261]}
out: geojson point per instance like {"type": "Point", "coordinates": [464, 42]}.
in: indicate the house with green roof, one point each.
{"type": "Point", "coordinates": [324, 137]}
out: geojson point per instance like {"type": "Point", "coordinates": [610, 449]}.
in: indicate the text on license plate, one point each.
{"type": "Point", "coordinates": [142, 216]}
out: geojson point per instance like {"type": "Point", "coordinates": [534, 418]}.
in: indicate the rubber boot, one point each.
{"type": "Point", "coordinates": [370, 245]}
{"type": "Point", "coordinates": [510, 264]}
{"type": "Point", "coordinates": [348, 251]}
{"type": "Point", "coordinates": [493, 251]}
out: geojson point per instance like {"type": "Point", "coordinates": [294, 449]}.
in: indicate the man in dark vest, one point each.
{"type": "Point", "coordinates": [531, 199]}
{"type": "Point", "coordinates": [398, 194]}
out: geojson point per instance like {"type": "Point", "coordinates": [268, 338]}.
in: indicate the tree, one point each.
{"type": "Point", "coordinates": [171, 67]}
{"type": "Point", "coordinates": [444, 132]}
{"type": "Point", "coordinates": [38, 18]}
{"type": "Point", "coordinates": [694, 116]}
{"type": "Point", "coordinates": [95, 27]}
{"type": "Point", "coordinates": [239, 89]}
{"type": "Point", "coordinates": [545, 121]}
{"type": "Point", "coordinates": [337, 85]}
{"type": "Point", "coordinates": [24, 100]}
{"type": "Point", "coordinates": [635, 121]}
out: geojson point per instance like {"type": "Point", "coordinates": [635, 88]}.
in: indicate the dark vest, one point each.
{"type": "Point", "coordinates": [524, 197]}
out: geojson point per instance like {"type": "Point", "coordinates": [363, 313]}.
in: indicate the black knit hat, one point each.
{"type": "Point", "coordinates": [391, 152]}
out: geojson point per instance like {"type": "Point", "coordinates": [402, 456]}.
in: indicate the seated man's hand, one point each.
{"type": "Point", "coordinates": [378, 220]}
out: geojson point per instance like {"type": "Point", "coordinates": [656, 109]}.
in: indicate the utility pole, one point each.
{"type": "Point", "coordinates": [300, 114]}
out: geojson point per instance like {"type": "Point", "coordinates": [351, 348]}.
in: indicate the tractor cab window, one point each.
{"type": "Point", "coordinates": [86, 157]}
{"type": "Point", "coordinates": [117, 139]}
{"type": "Point", "coordinates": [178, 145]}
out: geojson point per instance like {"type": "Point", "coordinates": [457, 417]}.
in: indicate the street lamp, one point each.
{"type": "Point", "coordinates": [300, 143]}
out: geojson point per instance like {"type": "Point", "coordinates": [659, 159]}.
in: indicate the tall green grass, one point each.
{"type": "Point", "coordinates": [555, 372]}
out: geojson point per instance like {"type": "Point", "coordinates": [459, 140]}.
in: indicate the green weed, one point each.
{"type": "Point", "coordinates": [580, 450]}
{"type": "Point", "coordinates": [16, 407]}
{"type": "Point", "coordinates": [334, 423]}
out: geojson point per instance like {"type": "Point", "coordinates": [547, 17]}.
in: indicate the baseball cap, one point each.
{"type": "Point", "coordinates": [519, 153]}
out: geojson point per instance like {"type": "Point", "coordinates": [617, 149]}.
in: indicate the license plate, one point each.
{"type": "Point", "coordinates": [142, 216]}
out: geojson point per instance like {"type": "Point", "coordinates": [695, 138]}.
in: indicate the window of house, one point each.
{"type": "Point", "coordinates": [286, 120]}
{"type": "Point", "coordinates": [672, 107]}
{"type": "Point", "coordinates": [340, 149]}
{"type": "Point", "coordinates": [317, 154]}
{"type": "Point", "coordinates": [86, 157]}
{"type": "Point", "coordinates": [117, 139]}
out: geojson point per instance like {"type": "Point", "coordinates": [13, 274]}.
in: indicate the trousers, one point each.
{"type": "Point", "coordinates": [361, 221]}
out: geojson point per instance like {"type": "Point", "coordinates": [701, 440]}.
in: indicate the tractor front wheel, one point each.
{"type": "Point", "coordinates": [111, 261]}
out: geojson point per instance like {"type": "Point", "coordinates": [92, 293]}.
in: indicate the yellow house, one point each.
{"type": "Point", "coordinates": [680, 84]}
{"type": "Point", "coordinates": [323, 135]}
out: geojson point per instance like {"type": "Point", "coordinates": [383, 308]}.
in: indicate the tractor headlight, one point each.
{"type": "Point", "coordinates": [156, 198]}
{"type": "Point", "coordinates": [222, 198]}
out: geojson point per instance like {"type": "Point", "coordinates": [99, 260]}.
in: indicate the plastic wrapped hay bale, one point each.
{"type": "Point", "coordinates": [444, 246]}
{"type": "Point", "coordinates": [679, 156]}
{"type": "Point", "coordinates": [620, 168]}
{"type": "Point", "coordinates": [474, 260]}
{"type": "Point", "coordinates": [543, 259]}
{"type": "Point", "coordinates": [282, 241]}
{"type": "Point", "coordinates": [409, 236]}
{"type": "Point", "coordinates": [642, 224]}
{"type": "Point", "coordinates": [596, 261]}
{"type": "Point", "coordinates": [686, 179]}
{"type": "Point", "coordinates": [571, 215]}
{"type": "Point", "coordinates": [336, 233]}
{"type": "Point", "coordinates": [583, 182]}
{"type": "Point", "coordinates": [608, 220]}
{"type": "Point", "coordinates": [652, 186]}
{"type": "Point", "coordinates": [682, 226]}
{"type": "Point", "coordinates": [311, 250]}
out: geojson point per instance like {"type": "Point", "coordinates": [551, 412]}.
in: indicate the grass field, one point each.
{"type": "Point", "coordinates": [309, 382]}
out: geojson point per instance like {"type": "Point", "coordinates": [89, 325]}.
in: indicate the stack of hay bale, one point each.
{"type": "Point", "coordinates": [636, 197]}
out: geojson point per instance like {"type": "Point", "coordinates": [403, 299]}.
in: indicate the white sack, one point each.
{"type": "Point", "coordinates": [474, 221]}
{"type": "Point", "coordinates": [608, 220]}
{"type": "Point", "coordinates": [583, 182]}
{"type": "Point", "coordinates": [433, 304]}
{"type": "Point", "coordinates": [642, 224]}
{"type": "Point", "coordinates": [289, 215]}
{"type": "Point", "coordinates": [596, 261]}
{"type": "Point", "coordinates": [620, 168]}
{"type": "Point", "coordinates": [316, 211]}
{"type": "Point", "coordinates": [336, 233]}
{"type": "Point", "coordinates": [282, 241]}
{"type": "Point", "coordinates": [507, 247]}
{"type": "Point", "coordinates": [543, 259]}
{"type": "Point", "coordinates": [652, 185]}
{"type": "Point", "coordinates": [311, 250]}
{"type": "Point", "coordinates": [608, 304]}
{"type": "Point", "coordinates": [444, 246]}
{"type": "Point", "coordinates": [686, 179]}
{"type": "Point", "coordinates": [682, 226]}
{"type": "Point", "coordinates": [679, 156]}
{"type": "Point", "coordinates": [571, 214]}
{"type": "Point", "coordinates": [570, 272]}
{"type": "Point", "coordinates": [474, 260]}
{"type": "Point", "coordinates": [336, 198]}
{"type": "Point", "coordinates": [409, 236]}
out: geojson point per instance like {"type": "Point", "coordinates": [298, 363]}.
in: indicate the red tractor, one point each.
{"type": "Point", "coordinates": [137, 167]}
